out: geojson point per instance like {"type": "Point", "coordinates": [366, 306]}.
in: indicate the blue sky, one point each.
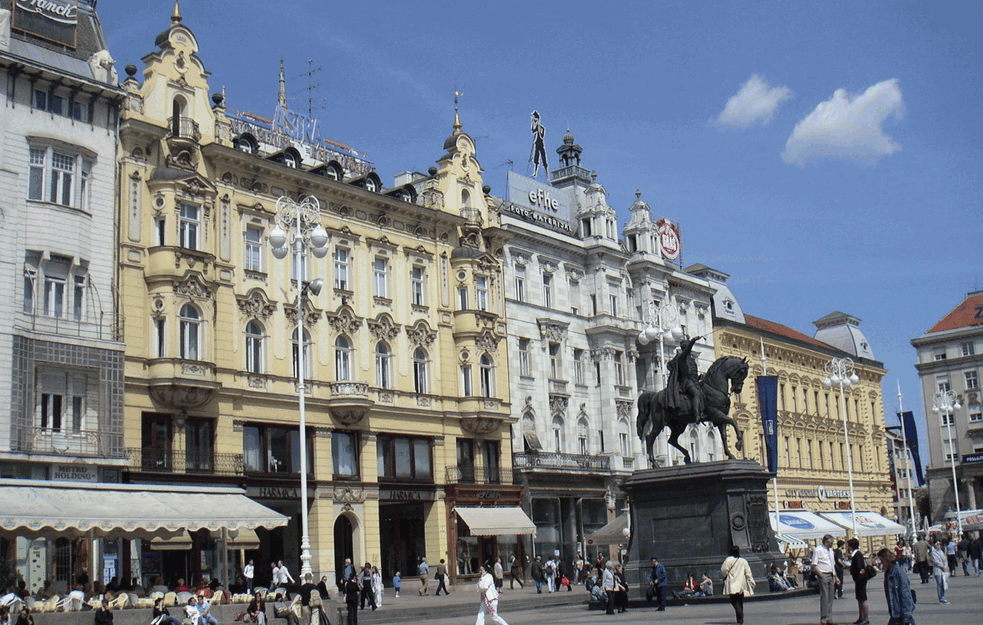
{"type": "Point", "coordinates": [873, 208]}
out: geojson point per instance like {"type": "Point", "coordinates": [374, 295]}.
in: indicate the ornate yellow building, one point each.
{"type": "Point", "coordinates": [407, 386]}
{"type": "Point", "coordinates": [812, 460]}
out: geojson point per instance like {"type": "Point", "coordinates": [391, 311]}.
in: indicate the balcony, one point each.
{"type": "Point", "coordinates": [349, 401]}
{"type": "Point", "coordinates": [183, 128]}
{"type": "Point", "coordinates": [152, 460]}
{"type": "Point", "coordinates": [561, 462]}
{"type": "Point", "coordinates": [472, 216]}
{"type": "Point", "coordinates": [80, 443]}
{"type": "Point", "coordinates": [478, 475]}
{"type": "Point", "coordinates": [181, 384]}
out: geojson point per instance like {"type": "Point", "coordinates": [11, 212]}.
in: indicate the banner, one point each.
{"type": "Point", "coordinates": [768, 406]}
{"type": "Point", "coordinates": [911, 441]}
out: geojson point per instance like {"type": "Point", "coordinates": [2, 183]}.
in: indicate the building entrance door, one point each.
{"type": "Point", "coordinates": [344, 545]}
{"type": "Point", "coordinates": [403, 536]}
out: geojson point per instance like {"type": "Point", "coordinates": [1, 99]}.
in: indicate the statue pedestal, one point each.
{"type": "Point", "coordinates": [689, 516]}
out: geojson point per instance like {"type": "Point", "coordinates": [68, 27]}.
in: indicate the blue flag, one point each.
{"type": "Point", "coordinates": [768, 406]}
{"type": "Point", "coordinates": [911, 441]}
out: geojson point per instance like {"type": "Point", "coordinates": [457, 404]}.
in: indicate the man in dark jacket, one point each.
{"type": "Point", "coordinates": [536, 571]}
{"type": "Point", "coordinates": [352, 592]}
{"type": "Point", "coordinates": [658, 584]}
{"type": "Point", "coordinates": [976, 554]}
{"type": "Point", "coordinates": [367, 591]}
{"type": "Point", "coordinates": [920, 549]}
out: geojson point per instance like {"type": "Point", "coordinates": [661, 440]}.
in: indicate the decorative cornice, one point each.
{"type": "Point", "coordinates": [344, 321]}
{"type": "Point", "coordinates": [383, 327]}
{"type": "Point", "coordinates": [256, 304]}
{"type": "Point", "coordinates": [421, 334]}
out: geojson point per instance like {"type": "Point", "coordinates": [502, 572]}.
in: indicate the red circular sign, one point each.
{"type": "Point", "coordinates": [669, 240]}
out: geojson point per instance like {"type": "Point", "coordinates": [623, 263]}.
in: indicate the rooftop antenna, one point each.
{"type": "Point", "coordinates": [311, 85]}
{"type": "Point", "coordinates": [509, 162]}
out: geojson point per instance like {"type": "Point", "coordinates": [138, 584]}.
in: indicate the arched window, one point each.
{"type": "Point", "coordinates": [254, 347]}
{"type": "Point", "coordinates": [296, 349]}
{"type": "Point", "coordinates": [467, 388]}
{"type": "Point", "coordinates": [583, 436]}
{"type": "Point", "coordinates": [465, 198]}
{"type": "Point", "coordinates": [246, 144]}
{"type": "Point", "coordinates": [342, 358]}
{"type": "Point", "coordinates": [420, 370]}
{"type": "Point", "coordinates": [558, 434]}
{"type": "Point", "coordinates": [190, 324]}
{"type": "Point", "coordinates": [177, 112]}
{"type": "Point", "coordinates": [383, 365]}
{"type": "Point", "coordinates": [487, 375]}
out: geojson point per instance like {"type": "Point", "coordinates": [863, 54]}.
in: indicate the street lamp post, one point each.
{"type": "Point", "coordinates": [298, 222]}
{"type": "Point", "coordinates": [840, 372]}
{"type": "Point", "coordinates": [662, 326]}
{"type": "Point", "coordinates": [946, 402]}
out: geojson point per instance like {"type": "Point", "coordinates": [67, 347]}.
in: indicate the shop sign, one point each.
{"type": "Point", "coordinates": [793, 521]}
{"type": "Point", "coordinates": [54, 20]}
{"type": "Point", "coordinates": [540, 203]}
{"type": "Point", "coordinates": [395, 494]}
{"type": "Point", "coordinates": [842, 505]}
{"type": "Point", "coordinates": [273, 492]}
{"type": "Point", "coordinates": [973, 458]}
{"type": "Point", "coordinates": [794, 505]}
{"type": "Point", "coordinates": [489, 494]}
{"type": "Point", "coordinates": [821, 493]}
{"type": "Point", "coordinates": [74, 473]}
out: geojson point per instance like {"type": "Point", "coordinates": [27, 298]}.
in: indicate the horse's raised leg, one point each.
{"type": "Point", "coordinates": [674, 433]}
{"type": "Point", "coordinates": [722, 428]}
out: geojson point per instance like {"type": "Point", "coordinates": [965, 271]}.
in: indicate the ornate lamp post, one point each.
{"type": "Point", "coordinates": [662, 326]}
{"type": "Point", "coordinates": [946, 402]}
{"type": "Point", "coordinates": [840, 372]}
{"type": "Point", "coordinates": [298, 224]}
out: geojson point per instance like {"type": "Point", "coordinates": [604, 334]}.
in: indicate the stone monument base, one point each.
{"type": "Point", "coordinates": [689, 516]}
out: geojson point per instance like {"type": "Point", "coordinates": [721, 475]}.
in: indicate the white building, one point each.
{"type": "Point", "coordinates": [576, 299]}
{"type": "Point", "coordinates": [61, 382]}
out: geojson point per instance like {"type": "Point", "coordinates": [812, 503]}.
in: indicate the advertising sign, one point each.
{"type": "Point", "coordinates": [768, 406]}
{"type": "Point", "coordinates": [669, 240]}
{"type": "Point", "coordinates": [54, 20]}
{"type": "Point", "coordinates": [540, 204]}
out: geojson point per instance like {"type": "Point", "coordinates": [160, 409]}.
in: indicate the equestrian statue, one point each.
{"type": "Point", "coordinates": [690, 398]}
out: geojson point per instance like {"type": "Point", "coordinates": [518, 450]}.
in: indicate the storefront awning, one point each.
{"type": "Point", "coordinates": [502, 521]}
{"type": "Point", "coordinates": [803, 524]}
{"type": "Point", "coordinates": [46, 508]}
{"type": "Point", "coordinates": [181, 542]}
{"type": "Point", "coordinates": [612, 533]}
{"type": "Point", "coordinates": [791, 541]}
{"type": "Point", "coordinates": [244, 539]}
{"type": "Point", "coordinates": [868, 523]}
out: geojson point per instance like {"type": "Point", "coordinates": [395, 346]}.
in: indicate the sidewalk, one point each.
{"type": "Point", "coordinates": [463, 601]}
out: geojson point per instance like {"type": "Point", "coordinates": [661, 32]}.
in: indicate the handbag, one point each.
{"type": "Point", "coordinates": [870, 572]}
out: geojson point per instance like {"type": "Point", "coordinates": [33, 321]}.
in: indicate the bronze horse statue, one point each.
{"type": "Point", "coordinates": [716, 406]}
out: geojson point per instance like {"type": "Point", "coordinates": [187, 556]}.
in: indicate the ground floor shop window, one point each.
{"type": "Point", "coordinates": [549, 535]}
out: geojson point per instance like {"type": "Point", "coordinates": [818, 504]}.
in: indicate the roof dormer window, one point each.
{"type": "Point", "coordinates": [290, 160]}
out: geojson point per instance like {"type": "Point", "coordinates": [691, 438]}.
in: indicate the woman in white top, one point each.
{"type": "Point", "coordinates": [738, 581]}
{"type": "Point", "coordinates": [285, 575]}
{"type": "Point", "coordinates": [377, 585]}
{"type": "Point", "coordinates": [488, 595]}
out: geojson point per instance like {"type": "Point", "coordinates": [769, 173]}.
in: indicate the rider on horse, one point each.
{"type": "Point", "coordinates": [684, 381]}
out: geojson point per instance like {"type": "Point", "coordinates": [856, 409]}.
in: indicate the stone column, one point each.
{"type": "Point", "coordinates": [971, 490]}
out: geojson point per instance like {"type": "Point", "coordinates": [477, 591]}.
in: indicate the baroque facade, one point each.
{"type": "Point", "coordinates": [812, 457]}
{"type": "Point", "coordinates": [407, 391]}
{"type": "Point", "coordinates": [61, 359]}
{"type": "Point", "coordinates": [950, 358]}
{"type": "Point", "coordinates": [576, 299]}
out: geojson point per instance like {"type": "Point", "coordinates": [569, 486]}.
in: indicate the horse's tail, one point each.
{"type": "Point", "coordinates": [644, 412]}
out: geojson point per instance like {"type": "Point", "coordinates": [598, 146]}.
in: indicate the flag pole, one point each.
{"type": "Point", "coordinates": [764, 371]}
{"type": "Point", "coordinates": [907, 462]}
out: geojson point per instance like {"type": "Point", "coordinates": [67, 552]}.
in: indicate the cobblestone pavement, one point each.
{"type": "Point", "coordinates": [965, 608]}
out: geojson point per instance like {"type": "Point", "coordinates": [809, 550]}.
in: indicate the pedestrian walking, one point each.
{"type": "Point", "coordinates": [609, 587]}
{"type": "Point", "coordinates": [620, 589]}
{"type": "Point", "coordinates": [824, 567]}
{"type": "Point", "coordinates": [498, 574]}
{"type": "Point", "coordinates": [248, 572]}
{"type": "Point", "coordinates": [897, 590]}
{"type": "Point", "coordinates": [423, 571]}
{"type": "Point", "coordinates": [397, 580]}
{"type": "Point", "coordinates": [551, 575]}
{"type": "Point", "coordinates": [861, 572]}
{"type": "Point", "coordinates": [285, 576]}
{"type": "Point", "coordinates": [738, 581]}
{"type": "Point", "coordinates": [950, 555]}
{"type": "Point", "coordinates": [488, 598]}
{"type": "Point", "coordinates": [377, 586]}
{"type": "Point", "coordinates": [940, 569]}
{"type": "Point", "coordinates": [516, 572]}
{"type": "Point", "coordinates": [962, 553]}
{"type": "Point", "coordinates": [441, 577]}
{"type": "Point", "coordinates": [538, 576]}
{"type": "Point", "coordinates": [920, 548]}
{"type": "Point", "coordinates": [352, 593]}
{"type": "Point", "coordinates": [838, 568]}
{"type": "Point", "coordinates": [365, 577]}
{"type": "Point", "coordinates": [578, 565]}
{"type": "Point", "coordinates": [976, 554]}
{"type": "Point", "coordinates": [274, 575]}
{"type": "Point", "coordinates": [658, 584]}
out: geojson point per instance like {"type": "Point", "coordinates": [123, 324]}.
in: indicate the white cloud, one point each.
{"type": "Point", "coordinates": [754, 102]}
{"type": "Point", "coordinates": [848, 126]}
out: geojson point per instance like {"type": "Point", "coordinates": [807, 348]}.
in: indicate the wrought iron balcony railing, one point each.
{"type": "Point", "coordinates": [64, 442]}
{"type": "Point", "coordinates": [561, 461]}
{"type": "Point", "coordinates": [155, 460]}
{"type": "Point", "coordinates": [184, 128]}
{"type": "Point", "coordinates": [478, 475]}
